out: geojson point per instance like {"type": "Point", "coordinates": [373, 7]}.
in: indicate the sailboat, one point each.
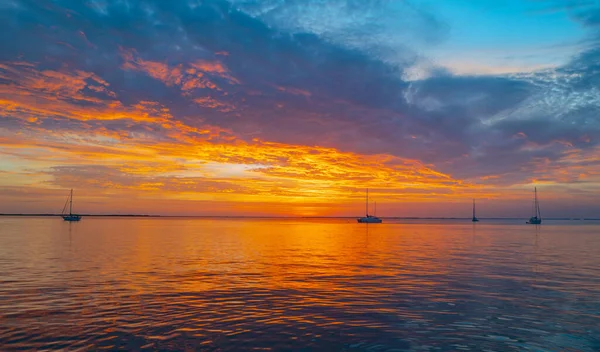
{"type": "Point", "coordinates": [474, 217]}
{"type": "Point", "coordinates": [369, 219]}
{"type": "Point", "coordinates": [536, 219]}
{"type": "Point", "coordinates": [70, 216]}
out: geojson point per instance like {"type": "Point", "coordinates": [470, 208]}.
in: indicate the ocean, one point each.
{"type": "Point", "coordinates": [242, 284]}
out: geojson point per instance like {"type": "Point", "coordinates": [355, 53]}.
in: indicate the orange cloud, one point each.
{"type": "Point", "coordinates": [212, 103]}
{"type": "Point", "coordinates": [256, 171]}
{"type": "Point", "coordinates": [188, 77]}
{"type": "Point", "coordinates": [207, 66]}
{"type": "Point", "coordinates": [38, 95]}
{"type": "Point", "coordinates": [205, 167]}
{"type": "Point", "coordinates": [50, 84]}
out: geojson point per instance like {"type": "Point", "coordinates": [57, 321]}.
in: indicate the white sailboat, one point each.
{"type": "Point", "coordinates": [369, 219]}
{"type": "Point", "coordinates": [475, 219]}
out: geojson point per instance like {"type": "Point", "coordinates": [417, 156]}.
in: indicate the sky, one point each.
{"type": "Point", "coordinates": [295, 107]}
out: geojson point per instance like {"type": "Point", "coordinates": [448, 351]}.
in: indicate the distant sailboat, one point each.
{"type": "Point", "coordinates": [369, 219]}
{"type": "Point", "coordinates": [474, 217]}
{"type": "Point", "coordinates": [536, 219]}
{"type": "Point", "coordinates": [70, 216]}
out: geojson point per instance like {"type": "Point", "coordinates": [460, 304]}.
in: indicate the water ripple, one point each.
{"type": "Point", "coordinates": [215, 285]}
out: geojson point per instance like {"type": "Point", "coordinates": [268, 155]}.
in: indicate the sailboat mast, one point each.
{"type": "Point", "coordinates": [367, 203]}
{"type": "Point", "coordinates": [535, 200]}
{"type": "Point", "coordinates": [71, 203]}
{"type": "Point", "coordinates": [473, 208]}
{"type": "Point", "coordinates": [533, 211]}
{"type": "Point", "coordinates": [537, 205]}
{"type": "Point", "coordinates": [375, 208]}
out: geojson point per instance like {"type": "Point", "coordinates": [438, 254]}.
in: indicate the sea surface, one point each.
{"type": "Point", "coordinates": [298, 284]}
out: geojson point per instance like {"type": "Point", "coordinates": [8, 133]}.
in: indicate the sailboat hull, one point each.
{"type": "Point", "coordinates": [71, 217]}
{"type": "Point", "coordinates": [534, 221]}
{"type": "Point", "coordinates": [369, 220]}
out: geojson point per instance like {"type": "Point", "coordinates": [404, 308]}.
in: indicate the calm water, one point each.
{"type": "Point", "coordinates": [256, 284]}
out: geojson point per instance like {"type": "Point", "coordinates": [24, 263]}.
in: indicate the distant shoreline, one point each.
{"type": "Point", "coordinates": [283, 217]}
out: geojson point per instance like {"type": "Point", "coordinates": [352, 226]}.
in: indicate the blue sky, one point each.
{"type": "Point", "coordinates": [507, 35]}
{"type": "Point", "coordinates": [464, 36]}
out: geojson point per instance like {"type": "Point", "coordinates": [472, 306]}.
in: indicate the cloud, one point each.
{"type": "Point", "coordinates": [387, 29]}
{"type": "Point", "coordinates": [318, 94]}
{"type": "Point", "coordinates": [211, 103]}
{"type": "Point", "coordinates": [188, 77]}
{"type": "Point", "coordinates": [278, 171]}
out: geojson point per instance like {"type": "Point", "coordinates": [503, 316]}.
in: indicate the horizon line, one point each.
{"type": "Point", "coordinates": [286, 217]}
